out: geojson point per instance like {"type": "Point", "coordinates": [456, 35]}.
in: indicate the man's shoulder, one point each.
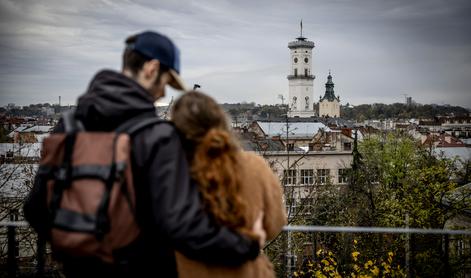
{"type": "Point", "coordinates": [161, 136]}
{"type": "Point", "coordinates": [159, 130]}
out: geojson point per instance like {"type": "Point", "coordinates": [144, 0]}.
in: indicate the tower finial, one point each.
{"type": "Point", "coordinates": [301, 27]}
{"type": "Point", "coordinates": [329, 72]}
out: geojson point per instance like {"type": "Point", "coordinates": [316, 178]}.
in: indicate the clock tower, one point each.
{"type": "Point", "coordinates": [300, 78]}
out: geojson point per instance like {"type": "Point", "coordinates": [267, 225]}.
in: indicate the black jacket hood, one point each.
{"type": "Point", "coordinates": [111, 99]}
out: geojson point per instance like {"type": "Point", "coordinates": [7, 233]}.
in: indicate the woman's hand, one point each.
{"type": "Point", "coordinates": [259, 231]}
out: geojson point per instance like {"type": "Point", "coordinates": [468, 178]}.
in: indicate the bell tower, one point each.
{"type": "Point", "coordinates": [300, 78]}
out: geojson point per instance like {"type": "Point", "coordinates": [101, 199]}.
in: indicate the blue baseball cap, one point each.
{"type": "Point", "coordinates": [159, 47]}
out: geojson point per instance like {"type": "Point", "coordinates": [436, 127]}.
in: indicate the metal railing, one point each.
{"type": "Point", "coordinates": [12, 265]}
{"type": "Point", "coordinates": [382, 230]}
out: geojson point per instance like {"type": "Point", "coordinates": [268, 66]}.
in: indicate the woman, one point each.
{"type": "Point", "coordinates": [235, 185]}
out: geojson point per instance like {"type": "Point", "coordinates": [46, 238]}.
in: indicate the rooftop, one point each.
{"type": "Point", "coordinates": [295, 129]}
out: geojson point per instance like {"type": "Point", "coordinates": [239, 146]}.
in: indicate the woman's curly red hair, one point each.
{"type": "Point", "coordinates": [213, 156]}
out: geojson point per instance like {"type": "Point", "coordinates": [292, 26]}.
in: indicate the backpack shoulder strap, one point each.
{"type": "Point", "coordinates": [71, 124]}
{"type": "Point", "coordinates": [133, 126]}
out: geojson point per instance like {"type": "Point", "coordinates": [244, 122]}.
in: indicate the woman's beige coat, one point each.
{"type": "Point", "coordinates": [262, 191]}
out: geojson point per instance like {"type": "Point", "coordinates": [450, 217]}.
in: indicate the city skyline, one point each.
{"type": "Point", "coordinates": [377, 50]}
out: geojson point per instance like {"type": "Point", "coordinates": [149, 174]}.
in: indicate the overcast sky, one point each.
{"type": "Point", "coordinates": [237, 50]}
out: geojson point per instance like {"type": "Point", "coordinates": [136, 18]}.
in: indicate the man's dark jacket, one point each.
{"type": "Point", "coordinates": [168, 206]}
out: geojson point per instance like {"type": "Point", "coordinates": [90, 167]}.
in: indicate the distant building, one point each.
{"type": "Point", "coordinates": [30, 134]}
{"type": "Point", "coordinates": [301, 79]}
{"type": "Point", "coordinates": [459, 246]}
{"type": "Point", "coordinates": [458, 126]}
{"type": "Point", "coordinates": [292, 134]}
{"type": "Point", "coordinates": [329, 104]}
{"type": "Point", "coordinates": [316, 154]}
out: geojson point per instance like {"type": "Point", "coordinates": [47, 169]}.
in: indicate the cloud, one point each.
{"type": "Point", "coordinates": [237, 51]}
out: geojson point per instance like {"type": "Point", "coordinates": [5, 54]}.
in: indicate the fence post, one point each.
{"type": "Point", "coordinates": [11, 260]}
{"type": "Point", "coordinates": [40, 256]}
{"type": "Point", "coordinates": [407, 248]}
{"type": "Point", "coordinates": [446, 253]}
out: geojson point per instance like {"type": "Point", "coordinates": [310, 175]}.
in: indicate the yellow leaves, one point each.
{"type": "Point", "coordinates": [326, 266]}
{"type": "Point", "coordinates": [356, 267]}
{"type": "Point", "coordinates": [355, 242]}
{"type": "Point", "coordinates": [355, 255]}
{"type": "Point", "coordinates": [375, 271]}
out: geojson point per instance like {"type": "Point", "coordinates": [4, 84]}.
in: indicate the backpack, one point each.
{"type": "Point", "coordinates": [89, 189]}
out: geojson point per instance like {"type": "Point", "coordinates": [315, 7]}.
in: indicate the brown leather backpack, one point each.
{"type": "Point", "coordinates": [90, 191]}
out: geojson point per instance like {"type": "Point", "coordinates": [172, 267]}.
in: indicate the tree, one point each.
{"type": "Point", "coordinates": [393, 178]}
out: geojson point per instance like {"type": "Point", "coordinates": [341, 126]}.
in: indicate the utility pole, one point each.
{"type": "Point", "coordinates": [288, 174]}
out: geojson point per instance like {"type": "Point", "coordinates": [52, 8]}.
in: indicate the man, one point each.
{"type": "Point", "coordinates": [168, 207]}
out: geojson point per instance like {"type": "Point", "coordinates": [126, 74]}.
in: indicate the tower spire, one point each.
{"type": "Point", "coordinates": [301, 27]}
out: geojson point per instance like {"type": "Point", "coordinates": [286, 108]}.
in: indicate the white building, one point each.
{"type": "Point", "coordinates": [314, 153]}
{"type": "Point", "coordinates": [301, 79]}
{"type": "Point", "coordinates": [329, 104]}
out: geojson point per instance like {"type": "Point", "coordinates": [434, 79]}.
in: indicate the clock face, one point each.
{"type": "Point", "coordinates": [306, 60]}
{"type": "Point", "coordinates": [295, 60]}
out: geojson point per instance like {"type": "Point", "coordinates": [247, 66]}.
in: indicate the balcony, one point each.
{"type": "Point", "coordinates": [306, 77]}
{"type": "Point", "coordinates": [300, 44]}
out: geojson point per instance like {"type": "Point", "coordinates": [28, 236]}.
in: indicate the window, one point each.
{"type": "Point", "coordinates": [289, 177]}
{"type": "Point", "coordinates": [14, 215]}
{"type": "Point", "coordinates": [291, 207]}
{"type": "Point", "coordinates": [323, 175]}
{"type": "Point", "coordinates": [307, 176]}
{"type": "Point", "coordinates": [307, 201]}
{"type": "Point", "coordinates": [460, 247]}
{"type": "Point", "coordinates": [311, 146]}
{"type": "Point", "coordinates": [295, 60]}
{"type": "Point", "coordinates": [305, 72]}
{"type": "Point", "coordinates": [307, 204]}
{"type": "Point", "coordinates": [306, 60]}
{"type": "Point", "coordinates": [291, 262]}
{"type": "Point", "coordinates": [295, 72]}
{"type": "Point", "coordinates": [347, 146]}
{"type": "Point", "coordinates": [343, 175]}
{"type": "Point", "coordinates": [290, 147]}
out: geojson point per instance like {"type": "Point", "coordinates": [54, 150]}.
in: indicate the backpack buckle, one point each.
{"type": "Point", "coordinates": [61, 174]}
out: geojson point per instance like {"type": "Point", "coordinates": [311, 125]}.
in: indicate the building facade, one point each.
{"type": "Point", "coordinates": [301, 79]}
